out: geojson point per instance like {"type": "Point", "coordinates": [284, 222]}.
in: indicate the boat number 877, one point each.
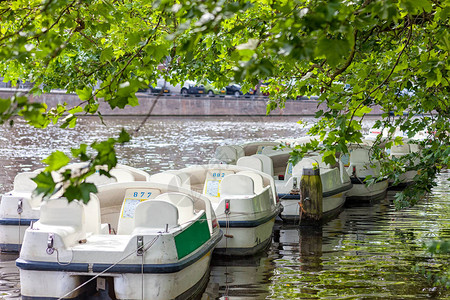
{"type": "Point", "coordinates": [142, 194]}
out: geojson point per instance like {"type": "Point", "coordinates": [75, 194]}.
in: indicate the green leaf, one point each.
{"type": "Point", "coordinates": [398, 140]}
{"type": "Point", "coordinates": [56, 161]}
{"type": "Point", "coordinates": [69, 121]}
{"type": "Point", "coordinates": [35, 115]}
{"type": "Point", "coordinates": [417, 6]}
{"type": "Point", "coordinates": [123, 137]}
{"type": "Point", "coordinates": [81, 152]}
{"type": "Point", "coordinates": [329, 157]}
{"type": "Point", "coordinates": [81, 192]}
{"type": "Point", "coordinates": [119, 102]}
{"type": "Point", "coordinates": [45, 183]}
{"type": "Point", "coordinates": [361, 111]}
{"type": "Point", "coordinates": [333, 49]}
{"type": "Point", "coordinates": [107, 54]}
{"type": "Point", "coordinates": [77, 109]}
{"type": "Point", "coordinates": [85, 93]}
{"type": "Point", "coordinates": [133, 101]}
{"type": "Point", "coordinates": [318, 114]}
{"type": "Point", "coordinates": [5, 104]}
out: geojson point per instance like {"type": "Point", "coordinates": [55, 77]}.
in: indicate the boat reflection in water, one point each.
{"type": "Point", "coordinates": [240, 278]}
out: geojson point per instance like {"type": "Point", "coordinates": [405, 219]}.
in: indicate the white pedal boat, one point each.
{"type": "Point", "coordinates": [335, 185]}
{"type": "Point", "coordinates": [162, 249]}
{"type": "Point", "coordinates": [229, 154]}
{"type": "Point", "coordinates": [18, 208]}
{"type": "Point", "coordinates": [409, 146]}
{"type": "Point", "coordinates": [359, 167]}
{"type": "Point", "coordinates": [407, 177]}
{"type": "Point", "coordinates": [243, 199]}
{"type": "Point", "coordinates": [275, 163]}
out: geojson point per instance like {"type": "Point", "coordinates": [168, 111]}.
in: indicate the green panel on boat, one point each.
{"type": "Point", "coordinates": [193, 237]}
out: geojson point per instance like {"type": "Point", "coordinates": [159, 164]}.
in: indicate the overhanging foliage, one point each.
{"type": "Point", "coordinates": [354, 55]}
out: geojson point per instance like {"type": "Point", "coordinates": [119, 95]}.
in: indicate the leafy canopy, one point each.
{"type": "Point", "coordinates": [354, 55]}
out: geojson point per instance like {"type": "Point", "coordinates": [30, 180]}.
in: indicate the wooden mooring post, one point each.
{"type": "Point", "coordinates": [311, 200]}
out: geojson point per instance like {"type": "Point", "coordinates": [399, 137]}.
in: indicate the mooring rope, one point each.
{"type": "Point", "coordinates": [61, 263]}
{"type": "Point", "coordinates": [226, 231]}
{"type": "Point", "coordinates": [19, 211]}
{"type": "Point", "coordinates": [142, 276]}
{"type": "Point", "coordinates": [20, 224]}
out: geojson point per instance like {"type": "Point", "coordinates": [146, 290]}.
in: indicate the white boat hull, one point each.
{"type": "Point", "coordinates": [362, 192]}
{"type": "Point", "coordinates": [126, 286]}
{"type": "Point", "coordinates": [162, 286]}
{"type": "Point", "coordinates": [11, 236]}
{"type": "Point", "coordinates": [331, 205]}
{"type": "Point", "coordinates": [245, 240]}
{"type": "Point", "coordinates": [405, 179]}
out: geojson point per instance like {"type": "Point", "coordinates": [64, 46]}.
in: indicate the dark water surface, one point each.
{"type": "Point", "coordinates": [367, 252]}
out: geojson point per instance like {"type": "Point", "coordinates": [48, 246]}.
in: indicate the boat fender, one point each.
{"type": "Point", "coordinates": [228, 235]}
{"type": "Point", "coordinates": [354, 171]}
{"type": "Point", "coordinates": [50, 248]}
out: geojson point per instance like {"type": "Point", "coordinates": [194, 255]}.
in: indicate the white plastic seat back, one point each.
{"type": "Point", "coordinates": [267, 163]}
{"type": "Point", "coordinates": [236, 184]}
{"type": "Point", "coordinates": [93, 215]}
{"type": "Point", "coordinates": [226, 154]}
{"type": "Point", "coordinates": [155, 214]}
{"type": "Point", "coordinates": [258, 181]}
{"type": "Point", "coordinates": [23, 182]}
{"type": "Point", "coordinates": [122, 175]}
{"type": "Point", "coordinates": [414, 148]}
{"type": "Point", "coordinates": [213, 179]}
{"type": "Point", "coordinates": [305, 163]}
{"type": "Point", "coordinates": [99, 179]}
{"type": "Point", "coordinates": [59, 212]}
{"type": "Point", "coordinates": [289, 170]}
{"type": "Point", "coordinates": [319, 160]}
{"type": "Point", "coordinates": [239, 151]}
{"type": "Point", "coordinates": [358, 156]}
{"type": "Point", "coordinates": [266, 150]}
{"type": "Point", "coordinates": [184, 177]}
{"type": "Point", "coordinates": [215, 161]}
{"type": "Point", "coordinates": [132, 198]}
{"type": "Point", "coordinates": [183, 202]}
{"type": "Point", "coordinates": [250, 162]}
{"type": "Point", "coordinates": [65, 220]}
{"type": "Point", "coordinates": [139, 175]}
{"type": "Point", "coordinates": [166, 178]}
{"type": "Point", "coordinates": [400, 150]}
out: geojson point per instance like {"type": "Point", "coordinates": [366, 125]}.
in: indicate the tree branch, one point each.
{"type": "Point", "coordinates": [347, 63]}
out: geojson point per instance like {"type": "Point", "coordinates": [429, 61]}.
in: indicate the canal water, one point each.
{"type": "Point", "coordinates": [367, 252]}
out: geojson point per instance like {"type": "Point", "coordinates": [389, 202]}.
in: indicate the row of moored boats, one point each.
{"type": "Point", "coordinates": [145, 236]}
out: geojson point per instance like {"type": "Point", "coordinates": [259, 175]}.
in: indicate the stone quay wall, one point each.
{"type": "Point", "coordinates": [190, 106]}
